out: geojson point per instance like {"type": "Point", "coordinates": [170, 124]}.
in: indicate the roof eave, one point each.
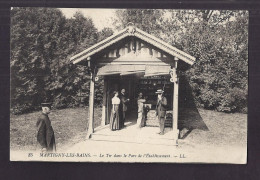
{"type": "Point", "coordinates": [137, 33]}
{"type": "Point", "coordinates": [97, 45]}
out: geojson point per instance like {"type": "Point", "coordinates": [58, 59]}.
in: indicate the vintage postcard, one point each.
{"type": "Point", "coordinates": [129, 85]}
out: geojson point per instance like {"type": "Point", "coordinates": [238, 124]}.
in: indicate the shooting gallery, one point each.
{"type": "Point", "coordinates": [138, 62]}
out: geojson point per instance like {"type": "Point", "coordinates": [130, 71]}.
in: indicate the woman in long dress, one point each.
{"type": "Point", "coordinates": [114, 119]}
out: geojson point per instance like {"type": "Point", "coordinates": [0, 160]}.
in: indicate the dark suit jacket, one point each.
{"type": "Point", "coordinates": [123, 102]}
{"type": "Point", "coordinates": [45, 133]}
{"type": "Point", "coordinates": [161, 107]}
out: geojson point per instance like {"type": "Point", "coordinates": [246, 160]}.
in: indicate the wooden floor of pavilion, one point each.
{"type": "Point", "coordinates": [132, 134]}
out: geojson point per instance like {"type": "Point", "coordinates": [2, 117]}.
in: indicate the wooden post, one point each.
{"type": "Point", "coordinates": [91, 106]}
{"type": "Point", "coordinates": [108, 102]}
{"type": "Point", "coordinates": [175, 103]}
{"type": "Point", "coordinates": [103, 122]}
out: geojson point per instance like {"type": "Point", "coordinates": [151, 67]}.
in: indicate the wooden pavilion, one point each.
{"type": "Point", "coordinates": [138, 62]}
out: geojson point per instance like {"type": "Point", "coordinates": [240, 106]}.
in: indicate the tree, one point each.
{"type": "Point", "coordinates": [79, 33]}
{"type": "Point", "coordinates": [218, 40]}
{"type": "Point", "coordinates": [148, 20]}
{"type": "Point", "coordinates": [219, 77]}
{"type": "Point", "coordinates": [34, 43]}
{"type": "Point", "coordinates": [42, 41]}
{"type": "Point", "coordinates": [104, 33]}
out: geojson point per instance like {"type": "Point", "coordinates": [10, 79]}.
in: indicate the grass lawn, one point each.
{"type": "Point", "coordinates": [70, 128]}
{"type": "Point", "coordinates": [224, 130]}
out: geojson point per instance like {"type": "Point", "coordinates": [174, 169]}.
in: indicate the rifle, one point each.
{"type": "Point", "coordinates": [163, 86]}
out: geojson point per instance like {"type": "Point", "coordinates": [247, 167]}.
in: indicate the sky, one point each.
{"type": "Point", "coordinates": [101, 17]}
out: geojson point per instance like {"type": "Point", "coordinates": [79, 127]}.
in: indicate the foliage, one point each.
{"type": "Point", "coordinates": [219, 77]}
{"type": "Point", "coordinates": [149, 20]}
{"type": "Point", "coordinates": [42, 41]}
{"type": "Point", "coordinates": [34, 47]}
{"type": "Point", "coordinates": [218, 40]}
{"type": "Point", "coordinates": [104, 33]}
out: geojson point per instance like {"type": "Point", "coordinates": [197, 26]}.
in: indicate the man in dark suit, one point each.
{"type": "Point", "coordinates": [45, 133]}
{"type": "Point", "coordinates": [122, 107]}
{"type": "Point", "coordinates": [161, 107]}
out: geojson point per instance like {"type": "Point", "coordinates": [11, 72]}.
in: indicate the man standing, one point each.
{"type": "Point", "coordinates": [161, 110]}
{"type": "Point", "coordinates": [140, 103]}
{"type": "Point", "coordinates": [45, 133]}
{"type": "Point", "coordinates": [122, 108]}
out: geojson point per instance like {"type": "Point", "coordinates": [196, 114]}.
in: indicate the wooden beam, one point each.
{"type": "Point", "coordinates": [107, 74]}
{"type": "Point", "coordinates": [128, 73]}
{"type": "Point", "coordinates": [176, 104]}
{"type": "Point", "coordinates": [108, 101]}
{"type": "Point", "coordinates": [91, 106]}
{"type": "Point", "coordinates": [103, 122]}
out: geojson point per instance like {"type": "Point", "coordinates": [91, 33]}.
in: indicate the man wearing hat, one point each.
{"type": "Point", "coordinates": [161, 107]}
{"type": "Point", "coordinates": [45, 133]}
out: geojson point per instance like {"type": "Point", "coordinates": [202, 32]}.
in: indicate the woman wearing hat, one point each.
{"type": "Point", "coordinates": [161, 108]}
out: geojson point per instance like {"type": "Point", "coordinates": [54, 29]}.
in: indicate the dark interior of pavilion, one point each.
{"type": "Point", "coordinates": [189, 117]}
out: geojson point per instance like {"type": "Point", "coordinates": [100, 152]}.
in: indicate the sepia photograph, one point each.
{"type": "Point", "coordinates": [128, 85]}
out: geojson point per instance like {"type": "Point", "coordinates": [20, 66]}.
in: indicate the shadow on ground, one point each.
{"type": "Point", "coordinates": [189, 116]}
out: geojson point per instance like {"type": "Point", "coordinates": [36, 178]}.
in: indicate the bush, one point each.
{"type": "Point", "coordinates": [23, 108]}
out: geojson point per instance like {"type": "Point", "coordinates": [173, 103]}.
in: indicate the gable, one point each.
{"type": "Point", "coordinates": [146, 46]}
{"type": "Point", "coordinates": [133, 51]}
